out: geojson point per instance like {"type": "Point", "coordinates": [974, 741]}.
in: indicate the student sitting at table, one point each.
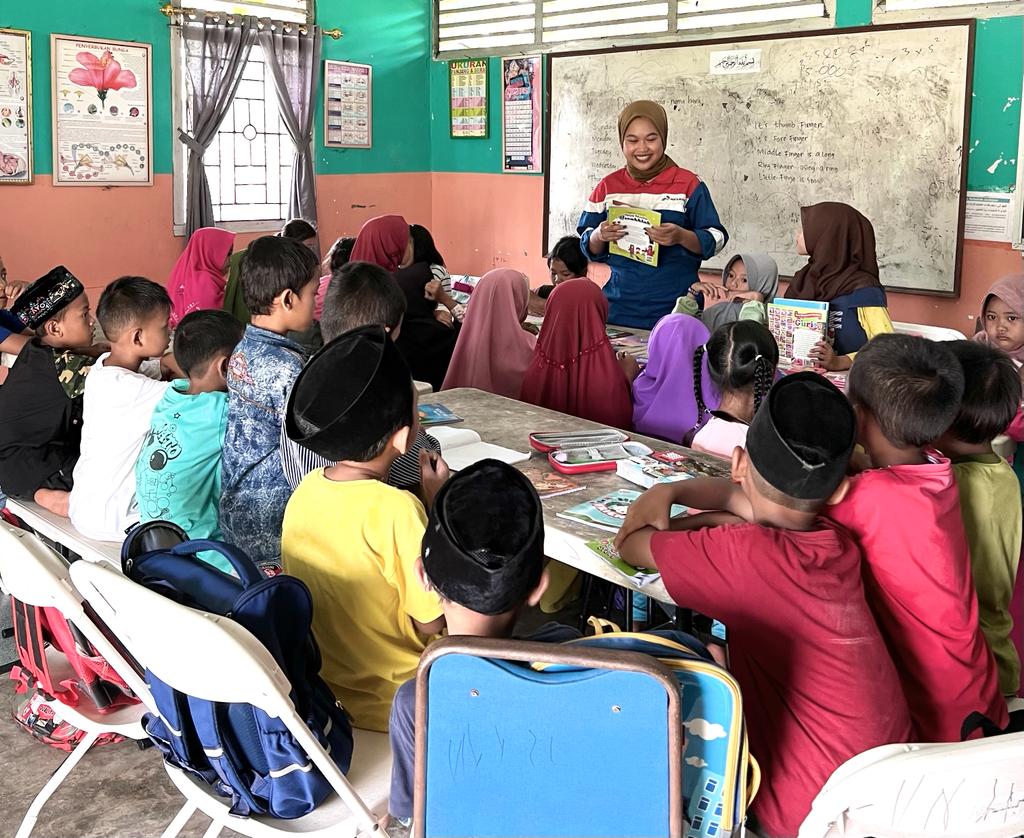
{"type": "Point", "coordinates": [565, 261]}
{"type": "Point", "coordinates": [818, 684]}
{"type": "Point", "coordinates": [493, 350]}
{"type": "Point", "coordinates": [337, 256]}
{"type": "Point", "coordinates": [904, 513]}
{"type": "Point", "coordinates": [749, 282]}
{"type": "Point", "coordinates": [351, 537]}
{"type": "Point", "coordinates": [742, 357]}
{"type": "Point", "coordinates": [487, 570]}
{"type": "Point", "coordinates": [574, 368]}
{"type": "Point", "coordinates": [360, 294]}
{"type": "Point", "coordinates": [664, 405]}
{"type": "Point", "coordinates": [41, 401]}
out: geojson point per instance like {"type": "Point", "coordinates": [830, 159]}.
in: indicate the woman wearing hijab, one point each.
{"type": "Point", "coordinates": [426, 342]}
{"type": "Point", "coordinates": [690, 230]}
{"type": "Point", "coordinates": [749, 282]}
{"type": "Point", "coordinates": [842, 271]}
{"type": "Point", "coordinates": [493, 350]}
{"type": "Point", "coordinates": [664, 397]}
{"type": "Point", "coordinates": [574, 369]}
{"type": "Point", "coordinates": [198, 278]}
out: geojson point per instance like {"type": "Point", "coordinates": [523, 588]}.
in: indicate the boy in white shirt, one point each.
{"type": "Point", "coordinates": [119, 401]}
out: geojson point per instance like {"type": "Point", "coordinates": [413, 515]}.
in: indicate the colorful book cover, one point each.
{"type": "Point", "coordinates": [797, 325]}
{"type": "Point", "coordinates": [636, 244]}
{"type": "Point", "coordinates": [608, 511]}
{"type": "Point", "coordinates": [646, 471]}
{"type": "Point", "coordinates": [604, 550]}
{"type": "Point", "coordinates": [437, 414]}
{"type": "Point", "coordinates": [706, 466]}
{"type": "Point", "coordinates": [550, 484]}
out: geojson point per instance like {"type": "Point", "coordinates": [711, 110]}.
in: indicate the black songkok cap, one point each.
{"type": "Point", "coordinates": [484, 543]}
{"type": "Point", "coordinates": [46, 296]}
{"type": "Point", "coordinates": [349, 395]}
{"type": "Point", "coordinates": [802, 436]}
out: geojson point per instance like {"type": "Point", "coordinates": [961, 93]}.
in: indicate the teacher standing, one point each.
{"type": "Point", "coordinates": [690, 231]}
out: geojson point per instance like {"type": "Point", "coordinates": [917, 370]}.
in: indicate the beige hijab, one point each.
{"type": "Point", "coordinates": [656, 114]}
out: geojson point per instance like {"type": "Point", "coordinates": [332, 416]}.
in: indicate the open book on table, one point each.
{"type": "Point", "coordinates": [461, 447]}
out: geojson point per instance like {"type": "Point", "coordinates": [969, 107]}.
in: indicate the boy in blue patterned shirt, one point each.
{"type": "Point", "coordinates": [279, 282]}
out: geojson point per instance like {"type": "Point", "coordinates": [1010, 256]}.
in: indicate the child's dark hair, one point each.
{"type": "Point", "coordinates": [911, 385]}
{"type": "Point", "coordinates": [128, 301]}
{"type": "Point", "coordinates": [202, 336]}
{"type": "Point", "coordinates": [992, 392]}
{"type": "Point", "coordinates": [340, 253]}
{"type": "Point", "coordinates": [567, 249]}
{"type": "Point", "coordinates": [361, 294]}
{"type": "Point", "coordinates": [273, 265]}
{"type": "Point", "coordinates": [423, 247]}
{"type": "Point", "coordinates": [741, 355]}
{"type": "Point", "coordinates": [298, 229]}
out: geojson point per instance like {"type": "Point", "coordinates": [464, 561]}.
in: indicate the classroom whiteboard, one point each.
{"type": "Point", "coordinates": [874, 118]}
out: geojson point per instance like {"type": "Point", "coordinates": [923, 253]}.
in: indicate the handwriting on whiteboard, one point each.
{"type": "Point", "coordinates": [730, 62]}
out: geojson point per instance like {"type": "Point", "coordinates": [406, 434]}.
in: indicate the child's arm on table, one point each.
{"type": "Point", "coordinates": [635, 549]}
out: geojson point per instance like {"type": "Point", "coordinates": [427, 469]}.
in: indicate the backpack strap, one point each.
{"type": "Point", "coordinates": [211, 725]}
{"type": "Point", "coordinates": [30, 644]}
{"type": "Point", "coordinates": [239, 561]}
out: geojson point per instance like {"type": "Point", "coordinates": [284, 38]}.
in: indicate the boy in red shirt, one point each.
{"type": "Point", "coordinates": [904, 512]}
{"type": "Point", "coordinates": [818, 684]}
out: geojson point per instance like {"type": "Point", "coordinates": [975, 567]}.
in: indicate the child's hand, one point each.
{"type": "Point", "coordinates": [756, 296]}
{"type": "Point", "coordinates": [443, 316]}
{"type": "Point", "coordinates": [434, 471]}
{"type": "Point", "coordinates": [12, 291]}
{"type": "Point", "coordinates": [432, 290]}
{"type": "Point", "coordinates": [630, 365]}
{"type": "Point", "coordinates": [169, 369]}
{"type": "Point", "coordinates": [651, 509]}
{"type": "Point", "coordinates": [825, 356]}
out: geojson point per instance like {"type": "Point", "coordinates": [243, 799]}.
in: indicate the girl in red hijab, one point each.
{"type": "Point", "coordinates": [574, 369]}
{"type": "Point", "coordinates": [200, 274]}
{"type": "Point", "coordinates": [425, 342]}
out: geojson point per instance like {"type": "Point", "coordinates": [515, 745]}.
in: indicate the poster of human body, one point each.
{"type": "Point", "coordinates": [15, 106]}
{"type": "Point", "coordinates": [102, 126]}
{"type": "Point", "coordinates": [348, 104]}
{"type": "Point", "coordinates": [521, 140]}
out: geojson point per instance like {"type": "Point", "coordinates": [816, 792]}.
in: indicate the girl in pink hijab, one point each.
{"type": "Point", "coordinates": [1002, 317]}
{"type": "Point", "coordinates": [200, 274]}
{"type": "Point", "coordinates": [493, 351]}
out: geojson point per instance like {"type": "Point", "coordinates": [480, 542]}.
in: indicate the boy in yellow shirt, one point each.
{"type": "Point", "coordinates": [989, 494]}
{"type": "Point", "coordinates": [351, 537]}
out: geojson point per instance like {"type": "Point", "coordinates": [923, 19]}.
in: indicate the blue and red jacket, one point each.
{"type": "Point", "coordinates": [639, 295]}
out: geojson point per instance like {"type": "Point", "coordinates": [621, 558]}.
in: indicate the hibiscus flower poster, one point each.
{"type": "Point", "coordinates": [102, 120]}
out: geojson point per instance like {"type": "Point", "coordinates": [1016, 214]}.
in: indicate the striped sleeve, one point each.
{"type": "Point", "coordinates": [593, 214]}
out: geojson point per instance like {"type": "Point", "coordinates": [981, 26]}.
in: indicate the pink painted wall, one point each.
{"type": "Point", "coordinates": [480, 221]}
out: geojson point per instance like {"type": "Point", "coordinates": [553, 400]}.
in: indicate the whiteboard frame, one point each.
{"type": "Point", "coordinates": [969, 23]}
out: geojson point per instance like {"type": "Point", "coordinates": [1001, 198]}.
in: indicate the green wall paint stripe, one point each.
{"type": "Point", "coordinates": [853, 12]}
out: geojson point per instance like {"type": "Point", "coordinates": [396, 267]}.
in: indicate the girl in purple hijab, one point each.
{"type": "Point", "coordinates": [664, 404]}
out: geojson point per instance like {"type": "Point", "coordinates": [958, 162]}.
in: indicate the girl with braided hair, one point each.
{"type": "Point", "coordinates": [741, 361]}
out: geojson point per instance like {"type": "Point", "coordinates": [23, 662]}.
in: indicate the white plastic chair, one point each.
{"type": "Point", "coordinates": [971, 788]}
{"type": "Point", "coordinates": [925, 331]}
{"type": "Point", "coordinates": [214, 658]}
{"type": "Point", "coordinates": [33, 573]}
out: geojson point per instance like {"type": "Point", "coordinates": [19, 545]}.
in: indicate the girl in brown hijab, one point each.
{"type": "Point", "coordinates": [842, 271]}
{"type": "Point", "coordinates": [690, 230]}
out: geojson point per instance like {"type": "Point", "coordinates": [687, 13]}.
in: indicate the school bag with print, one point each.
{"type": "Point", "coordinates": [720, 777]}
{"type": "Point", "coordinates": [239, 750]}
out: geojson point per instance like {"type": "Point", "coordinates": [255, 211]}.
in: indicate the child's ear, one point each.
{"type": "Point", "coordinates": [739, 464]}
{"type": "Point", "coordinates": [400, 439]}
{"type": "Point", "coordinates": [137, 337]}
{"type": "Point", "coordinates": [287, 299]}
{"type": "Point", "coordinates": [841, 491]}
{"type": "Point", "coordinates": [54, 329]}
{"type": "Point", "coordinates": [542, 585]}
{"type": "Point", "coordinates": [421, 574]}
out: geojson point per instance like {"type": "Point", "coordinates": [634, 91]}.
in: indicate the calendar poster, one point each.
{"type": "Point", "coordinates": [348, 105]}
{"type": "Point", "coordinates": [468, 97]}
{"type": "Point", "coordinates": [521, 118]}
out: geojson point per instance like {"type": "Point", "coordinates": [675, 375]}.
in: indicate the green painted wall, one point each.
{"type": "Point", "coordinates": [122, 20]}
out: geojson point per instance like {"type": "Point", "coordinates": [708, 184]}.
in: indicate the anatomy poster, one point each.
{"type": "Point", "coordinates": [520, 87]}
{"type": "Point", "coordinates": [15, 106]}
{"type": "Point", "coordinates": [102, 124]}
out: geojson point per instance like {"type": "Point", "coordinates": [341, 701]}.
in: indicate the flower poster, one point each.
{"type": "Point", "coordinates": [348, 104]}
{"type": "Point", "coordinates": [102, 120]}
{"type": "Point", "coordinates": [15, 106]}
{"type": "Point", "coordinates": [520, 95]}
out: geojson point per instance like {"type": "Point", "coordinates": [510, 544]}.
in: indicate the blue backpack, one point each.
{"type": "Point", "coordinates": [237, 748]}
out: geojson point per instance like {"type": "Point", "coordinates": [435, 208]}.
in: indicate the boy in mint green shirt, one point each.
{"type": "Point", "coordinates": [177, 475]}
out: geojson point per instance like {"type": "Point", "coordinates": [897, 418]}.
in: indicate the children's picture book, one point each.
{"type": "Point", "coordinates": [630, 343]}
{"type": "Point", "coordinates": [604, 550]}
{"type": "Point", "coordinates": [608, 511]}
{"type": "Point", "coordinates": [461, 447]}
{"type": "Point", "coordinates": [636, 244]}
{"type": "Point", "coordinates": [706, 466]}
{"type": "Point", "coordinates": [550, 484]}
{"type": "Point", "coordinates": [437, 414]}
{"type": "Point", "coordinates": [797, 325]}
{"type": "Point", "coordinates": [646, 471]}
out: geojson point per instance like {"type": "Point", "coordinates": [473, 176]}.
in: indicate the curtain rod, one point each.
{"type": "Point", "coordinates": [169, 10]}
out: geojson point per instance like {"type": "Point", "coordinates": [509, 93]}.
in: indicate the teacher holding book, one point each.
{"type": "Point", "coordinates": [651, 221]}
